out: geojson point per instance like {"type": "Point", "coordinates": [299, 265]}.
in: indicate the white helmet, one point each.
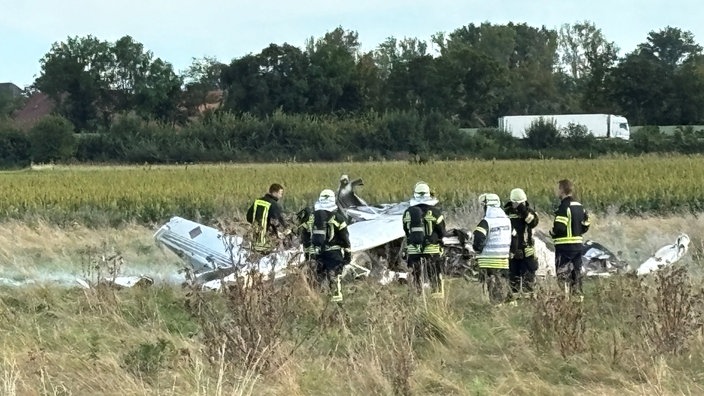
{"type": "Point", "coordinates": [518, 195]}
{"type": "Point", "coordinates": [422, 195]}
{"type": "Point", "coordinates": [490, 199]}
{"type": "Point", "coordinates": [421, 191]}
{"type": "Point", "coordinates": [326, 196]}
{"type": "Point", "coordinates": [326, 201]}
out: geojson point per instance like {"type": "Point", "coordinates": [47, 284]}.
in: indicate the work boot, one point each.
{"type": "Point", "coordinates": [440, 291]}
{"type": "Point", "coordinates": [337, 296]}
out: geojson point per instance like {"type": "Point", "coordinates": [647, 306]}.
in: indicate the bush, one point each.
{"type": "Point", "coordinates": [542, 134]}
{"type": "Point", "coordinates": [14, 148]}
{"type": "Point", "coordinates": [52, 140]}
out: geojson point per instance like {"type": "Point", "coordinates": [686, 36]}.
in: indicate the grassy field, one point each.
{"type": "Point", "coordinates": [630, 336]}
{"type": "Point", "coordinates": [626, 338]}
{"type": "Point", "coordinates": [110, 195]}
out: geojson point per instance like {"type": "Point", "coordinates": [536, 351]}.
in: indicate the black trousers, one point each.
{"type": "Point", "coordinates": [329, 264]}
{"type": "Point", "coordinates": [568, 268]}
{"type": "Point", "coordinates": [431, 264]}
{"type": "Point", "coordinates": [525, 269]}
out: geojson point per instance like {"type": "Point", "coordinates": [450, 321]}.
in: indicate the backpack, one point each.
{"type": "Point", "coordinates": [417, 235]}
{"type": "Point", "coordinates": [320, 234]}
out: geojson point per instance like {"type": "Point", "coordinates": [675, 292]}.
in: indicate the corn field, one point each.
{"type": "Point", "coordinates": [151, 194]}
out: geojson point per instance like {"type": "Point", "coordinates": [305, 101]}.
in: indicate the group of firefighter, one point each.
{"type": "Point", "coordinates": [503, 240]}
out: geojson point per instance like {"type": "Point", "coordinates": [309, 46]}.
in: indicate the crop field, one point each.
{"type": "Point", "coordinates": [630, 336]}
{"type": "Point", "coordinates": [149, 194]}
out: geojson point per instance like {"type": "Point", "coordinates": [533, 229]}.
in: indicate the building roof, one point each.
{"type": "Point", "coordinates": [37, 106]}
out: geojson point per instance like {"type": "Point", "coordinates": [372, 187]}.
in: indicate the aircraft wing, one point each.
{"type": "Point", "coordinates": [376, 232]}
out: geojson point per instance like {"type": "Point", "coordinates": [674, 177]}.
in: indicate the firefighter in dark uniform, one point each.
{"type": "Point", "coordinates": [424, 226]}
{"type": "Point", "coordinates": [571, 222]}
{"type": "Point", "coordinates": [522, 264]}
{"type": "Point", "coordinates": [305, 231]}
{"type": "Point", "coordinates": [266, 217]}
{"type": "Point", "coordinates": [331, 240]}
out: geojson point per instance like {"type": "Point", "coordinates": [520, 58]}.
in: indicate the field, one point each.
{"type": "Point", "coordinates": [630, 336]}
{"type": "Point", "coordinates": [103, 195]}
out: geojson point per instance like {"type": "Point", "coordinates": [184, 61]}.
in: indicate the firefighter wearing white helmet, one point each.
{"type": "Point", "coordinates": [330, 240]}
{"type": "Point", "coordinates": [424, 226]}
{"type": "Point", "coordinates": [522, 263]}
{"type": "Point", "coordinates": [492, 243]}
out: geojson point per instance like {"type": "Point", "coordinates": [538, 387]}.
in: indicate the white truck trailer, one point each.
{"type": "Point", "coordinates": [600, 125]}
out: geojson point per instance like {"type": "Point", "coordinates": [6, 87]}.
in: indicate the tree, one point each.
{"type": "Point", "coordinates": [587, 58]}
{"type": "Point", "coordinates": [204, 76]}
{"type": "Point", "coordinates": [91, 80]}
{"type": "Point", "coordinates": [654, 84]}
{"type": "Point", "coordinates": [74, 74]}
{"type": "Point", "coordinates": [333, 57]}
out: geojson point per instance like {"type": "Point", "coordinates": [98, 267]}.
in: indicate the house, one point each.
{"type": "Point", "coordinates": [36, 107]}
{"type": "Point", "coordinates": [12, 89]}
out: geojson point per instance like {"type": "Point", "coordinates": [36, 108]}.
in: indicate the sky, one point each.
{"type": "Point", "coordinates": [180, 30]}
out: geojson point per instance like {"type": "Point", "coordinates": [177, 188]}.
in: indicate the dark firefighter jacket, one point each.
{"type": "Point", "coordinates": [434, 229]}
{"type": "Point", "coordinates": [523, 221]}
{"type": "Point", "coordinates": [571, 222]}
{"type": "Point", "coordinates": [337, 236]}
{"type": "Point", "coordinates": [266, 213]}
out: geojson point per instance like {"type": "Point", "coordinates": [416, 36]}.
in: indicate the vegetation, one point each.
{"type": "Point", "coordinates": [629, 336]}
{"type": "Point", "coordinates": [331, 100]}
{"type": "Point", "coordinates": [147, 194]}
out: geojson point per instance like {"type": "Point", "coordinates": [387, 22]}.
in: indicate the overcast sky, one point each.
{"type": "Point", "coordinates": [178, 30]}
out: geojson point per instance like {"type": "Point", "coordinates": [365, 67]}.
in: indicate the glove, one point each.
{"type": "Point", "coordinates": [346, 256]}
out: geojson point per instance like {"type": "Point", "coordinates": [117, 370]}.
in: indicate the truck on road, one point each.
{"type": "Point", "coordinates": [600, 125]}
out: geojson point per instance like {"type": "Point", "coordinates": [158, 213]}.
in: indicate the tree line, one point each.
{"type": "Point", "coordinates": [330, 100]}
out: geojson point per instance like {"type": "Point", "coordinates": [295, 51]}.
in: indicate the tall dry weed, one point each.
{"type": "Point", "coordinates": [559, 322]}
{"type": "Point", "coordinates": [669, 312]}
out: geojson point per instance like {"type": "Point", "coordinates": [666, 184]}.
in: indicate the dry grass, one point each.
{"type": "Point", "coordinates": [380, 341]}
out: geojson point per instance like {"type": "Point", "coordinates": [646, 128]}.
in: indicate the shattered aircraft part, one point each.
{"type": "Point", "coordinates": [207, 250]}
{"type": "Point", "coordinates": [665, 256]}
{"type": "Point", "coordinates": [597, 260]}
{"type": "Point", "coordinates": [126, 281]}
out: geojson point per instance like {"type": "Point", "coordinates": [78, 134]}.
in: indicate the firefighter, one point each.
{"type": "Point", "coordinates": [266, 217]}
{"type": "Point", "coordinates": [331, 240]}
{"type": "Point", "coordinates": [571, 222]}
{"type": "Point", "coordinates": [522, 264]}
{"type": "Point", "coordinates": [492, 242]}
{"type": "Point", "coordinates": [305, 230]}
{"type": "Point", "coordinates": [424, 226]}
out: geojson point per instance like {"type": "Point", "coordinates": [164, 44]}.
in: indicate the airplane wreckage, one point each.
{"type": "Point", "coordinates": [213, 258]}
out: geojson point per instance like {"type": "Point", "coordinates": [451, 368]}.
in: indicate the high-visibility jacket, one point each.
{"type": "Point", "coordinates": [492, 239]}
{"type": "Point", "coordinates": [571, 222]}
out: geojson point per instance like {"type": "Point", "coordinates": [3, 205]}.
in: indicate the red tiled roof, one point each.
{"type": "Point", "coordinates": [38, 106]}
